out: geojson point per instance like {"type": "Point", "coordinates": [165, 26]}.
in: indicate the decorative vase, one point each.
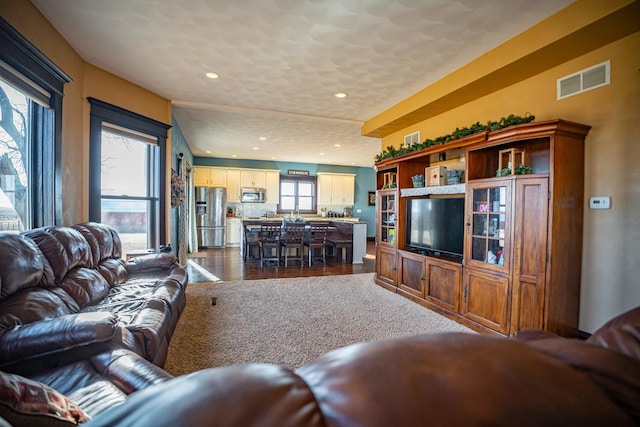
{"type": "Point", "coordinates": [418, 184]}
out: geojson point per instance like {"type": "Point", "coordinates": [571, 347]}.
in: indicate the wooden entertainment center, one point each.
{"type": "Point", "coordinates": [522, 250]}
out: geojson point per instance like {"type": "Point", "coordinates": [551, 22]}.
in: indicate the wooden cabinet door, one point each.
{"type": "Point", "coordinates": [201, 177]}
{"type": "Point", "coordinates": [273, 186]}
{"type": "Point", "coordinates": [443, 283]}
{"type": "Point", "coordinates": [254, 178]}
{"type": "Point", "coordinates": [348, 190]}
{"type": "Point", "coordinates": [234, 231]}
{"type": "Point", "coordinates": [233, 185]}
{"type": "Point", "coordinates": [531, 209]}
{"type": "Point", "coordinates": [218, 177]}
{"type": "Point", "coordinates": [411, 273]}
{"type": "Point", "coordinates": [342, 190]}
{"type": "Point", "coordinates": [325, 188]}
{"type": "Point", "coordinates": [488, 227]}
{"type": "Point", "coordinates": [485, 299]}
{"type": "Point", "coordinates": [386, 266]}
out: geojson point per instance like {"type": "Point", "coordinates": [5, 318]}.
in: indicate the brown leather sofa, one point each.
{"type": "Point", "coordinates": [454, 379]}
{"type": "Point", "coordinates": [67, 288]}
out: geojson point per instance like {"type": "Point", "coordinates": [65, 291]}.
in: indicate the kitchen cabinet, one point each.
{"type": "Point", "coordinates": [233, 185]}
{"type": "Point", "coordinates": [234, 232]}
{"type": "Point", "coordinates": [272, 179]}
{"type": "Point", "coordinates": [204, 176]}
{"type": "Point", "coordinates": [336, 189]}
{"type": "Point", "coordinates": [255, 178]}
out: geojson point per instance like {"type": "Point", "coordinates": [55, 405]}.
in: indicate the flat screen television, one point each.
{"type": "Point", "coordinates": [435, 226]}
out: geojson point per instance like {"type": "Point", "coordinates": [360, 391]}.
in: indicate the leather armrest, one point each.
{"type": "Point", "coordinates": [56, 335]}
{"type": "Point", "coordinates": [151, 261]}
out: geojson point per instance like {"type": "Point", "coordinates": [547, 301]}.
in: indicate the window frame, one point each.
{"type": "Point", "coordinates": [103, 112]}
{"type": "Point", "coordinates": [45, 136]}
{"type": "Point", "coordinates": [297, 179]}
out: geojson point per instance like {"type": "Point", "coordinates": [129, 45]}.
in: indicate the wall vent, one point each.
{"type": "Point", "coordinates": [582, 81]}
{"type": "Point", "coordinates": [412, 138]}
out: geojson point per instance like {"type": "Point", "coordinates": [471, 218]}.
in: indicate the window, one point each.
{"type": "Point", "coordinates": [129, 189]}
{"type": "Point", "coordinates": [297, 194]}
{"type": "Point", "coordinates": [127, 181]}
{"type": "Point", "coordinates": [15, 208]}
{"type": "Point", "coordinates": [31, 90]}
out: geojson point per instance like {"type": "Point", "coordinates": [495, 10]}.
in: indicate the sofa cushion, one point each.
{"type": "Point", "coordinates": [20, 264]}
{"type": "Point", "coordinates": [622, 334]}
{"type": "Point", "coordinates": [34, 304]}
{"type": "Point", "coordinates": [26, 402]}
{"type": "Point", "coordinates": [55, 335]}
{"type": "Point", "coordinates": [63, 247]}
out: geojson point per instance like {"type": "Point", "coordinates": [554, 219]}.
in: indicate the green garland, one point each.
{"type": "Point", "coordinates": [477, 127]}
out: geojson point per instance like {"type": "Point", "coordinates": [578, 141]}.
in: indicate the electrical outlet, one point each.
{"type": "Point", "coordinates": [600, 203]}
{"type": "Point", "coordinates": [358, 210]}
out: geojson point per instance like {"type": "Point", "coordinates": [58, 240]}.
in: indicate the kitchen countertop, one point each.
{"type": "Point", "coordinates": [350, 220]}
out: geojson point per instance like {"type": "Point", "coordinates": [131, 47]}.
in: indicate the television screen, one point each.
{"type": "Point", "coordinates": [436, 225]}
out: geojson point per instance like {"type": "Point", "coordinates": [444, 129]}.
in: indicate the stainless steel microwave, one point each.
{"type": "Point", "coordinates": [253, 195]}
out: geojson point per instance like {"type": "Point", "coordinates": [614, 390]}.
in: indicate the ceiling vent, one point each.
{"type": "Point", "coordinates": [412, 138]}
{"type": "Point", "coordinates": [582, 81]}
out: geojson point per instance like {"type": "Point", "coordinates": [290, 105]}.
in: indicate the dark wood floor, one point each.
{"type": "Point", "coordinates": [227, 264]}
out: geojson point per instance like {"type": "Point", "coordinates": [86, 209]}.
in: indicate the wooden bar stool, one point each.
{"type": "Point", "coordinates": [269, 243]}
{"type": "Point", "coordinates": [338, 246]}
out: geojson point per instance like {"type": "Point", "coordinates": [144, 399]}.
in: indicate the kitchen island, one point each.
{"type": "Point", "coordinates": [344, 229]}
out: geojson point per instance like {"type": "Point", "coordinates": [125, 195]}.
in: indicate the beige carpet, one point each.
{"type": "Point", "coordinates": [290, 321]}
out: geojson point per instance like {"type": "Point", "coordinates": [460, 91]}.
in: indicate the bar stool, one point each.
{"type": "Point", "coordinates": [269, 242]}
{"type": "Point", "coordinates": [338, 245]}
{"type": "Point", "coordinates": [251, 240]}
{"type": "Point", "coordinates": [316, 238]}
{"type": "Point", "coordinates": [293, 238]}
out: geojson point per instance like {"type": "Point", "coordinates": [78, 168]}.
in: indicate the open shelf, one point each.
{"type": "Point", "coordinates": [441, 189]}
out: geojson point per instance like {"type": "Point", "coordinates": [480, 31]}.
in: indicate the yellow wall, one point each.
{"type": "Point", "coordinates": [88, 81]}
{"type": "Point", "coordinates": [611, 251]}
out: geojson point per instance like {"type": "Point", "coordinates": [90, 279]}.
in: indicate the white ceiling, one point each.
{"type": "Point", "coordinates": [281, 61]}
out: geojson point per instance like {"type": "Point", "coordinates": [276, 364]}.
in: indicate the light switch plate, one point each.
{"type": "Point", "coordinates": [600, 203]}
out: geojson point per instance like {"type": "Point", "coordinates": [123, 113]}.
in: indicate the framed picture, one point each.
{"type": "Point", "coordinates": [372, 198]}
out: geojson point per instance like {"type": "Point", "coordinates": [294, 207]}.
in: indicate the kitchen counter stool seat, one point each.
{"type": "Point", "coordinates": [269, 243]}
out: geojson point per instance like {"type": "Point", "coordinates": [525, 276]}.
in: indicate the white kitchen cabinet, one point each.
{"type": "Point", "coordinates": [336, 189]}
{"type": "Point", "coordinates": [255, 178]}
{"type": "Point", "coordinates": [233, 185]}
{"type": "Point", "coordinates": [204, 176]}
{"type": "Point", "coordinates": [273, 186]}
{"type": "Point", "coordinates": [234, 232]}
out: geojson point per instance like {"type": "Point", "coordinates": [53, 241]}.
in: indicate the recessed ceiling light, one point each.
{"type": "Point", "coordinates": [263, 138]}
{"type": "Point", "coordinates": [212, 75]}
{"type": "Point", "coordinates": [273, 158]}
{"type": "Point", "coordinates": [256, 148]}
{"type": "Point", "coordinates": [340, 95]}
{"type": "Point", "coordinates": [322, 154]}
{"type": "Point", "coordinates": [336, 145]}
{"type": "Point", "coordinates": [234, 155]}
{"type": "Point", "coordinates": [208, 151]}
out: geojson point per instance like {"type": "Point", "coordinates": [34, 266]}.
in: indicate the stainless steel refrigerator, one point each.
{"type": "Point", "coordinates": [211, 211]}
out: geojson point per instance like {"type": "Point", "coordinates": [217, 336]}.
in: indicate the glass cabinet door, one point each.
{"type": "Point", "coordinates": [387, 206]}
{"type": "Point", "coordinates": [488, 223]}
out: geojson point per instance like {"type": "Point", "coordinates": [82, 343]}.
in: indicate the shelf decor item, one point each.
{"type": "Point", "coordinates": [510, 158]}
{"type": "Point", "coordinates": [437, 175]}
{"type": "Point", "coordinates": [389, 180]}
{"type": "Point", "coordinates": [418, 180]}
{"type": "Point", "coordinates": [454, 176]}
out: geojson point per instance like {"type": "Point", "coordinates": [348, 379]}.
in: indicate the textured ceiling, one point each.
{"type": "Point", "coordinates": [281, 61]}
